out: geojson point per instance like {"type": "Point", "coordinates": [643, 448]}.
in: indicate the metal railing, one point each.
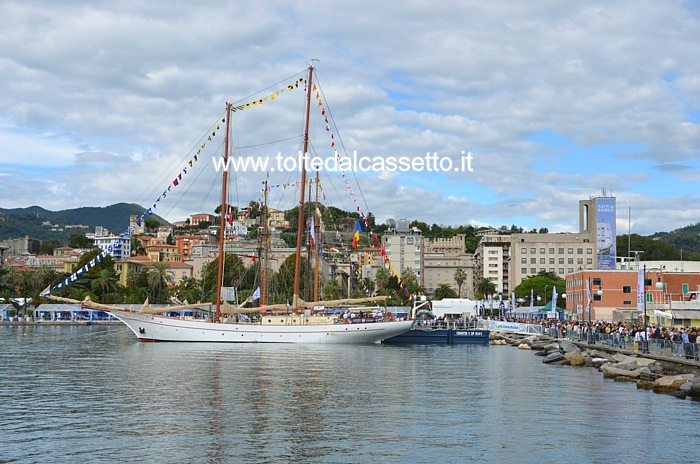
{"type": "Point", "coordinates": [654, 346]}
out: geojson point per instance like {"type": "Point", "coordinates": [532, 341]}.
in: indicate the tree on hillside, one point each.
{"type": "Point", "coordinates": [152, 225]}
{"type": "Point", "coordinates": [81, 242]}
{"type": "Point", "coordinates": [47, 246]}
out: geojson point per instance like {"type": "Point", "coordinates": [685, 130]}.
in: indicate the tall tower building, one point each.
{"type": "Point", "coordinates": [597, 216]}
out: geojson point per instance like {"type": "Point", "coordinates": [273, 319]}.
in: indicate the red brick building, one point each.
{"type": "Point", "coordinates": [619, 292]}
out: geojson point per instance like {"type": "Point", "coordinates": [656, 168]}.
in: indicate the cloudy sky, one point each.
{"type": "Point", "coordinates": [105, 102]}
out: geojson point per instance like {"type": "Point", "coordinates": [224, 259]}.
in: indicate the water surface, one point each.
{"type": "Point", "coordinates": [94, 394]}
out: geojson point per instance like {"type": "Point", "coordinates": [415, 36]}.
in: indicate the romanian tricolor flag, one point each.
{"type": "Point", "coordinates": [356, 237]}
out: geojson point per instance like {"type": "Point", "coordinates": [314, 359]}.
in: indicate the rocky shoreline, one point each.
{"type": "Point", "coordinates": [672, 376]}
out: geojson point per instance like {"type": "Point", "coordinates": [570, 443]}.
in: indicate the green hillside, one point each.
{"type": "Point", "coordinates": [19, 222]}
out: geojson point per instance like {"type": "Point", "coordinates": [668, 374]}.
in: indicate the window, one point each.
{"type": "Point", "coordinates": [570, 261]}
{"type": "Point", "coordinates": [561, 251]}
{"type": "Point", "coordinates": [551, 269]}
{"type": "Point", "coordinates": [543, 269]}
{"type": "Point", "coordinates": [579, 260]}
{"type": "Point", "coordinates": [589, 251]}
{"type": "Point", "coordinates": [533, 260]}
{"type": "Point", "coordinates": [597, 297]}
{"type": "Point", "coordinates": [523, 270]}
{"type": "Point", "coordinates": [523, 260]}
{"type": "Point", "coordinates": [589, 260]}
{"type": "Point", "coordinates": [533, 270]}
{"type": "Point", "coordinates": [551, 260]}
{"type": "Point", "coordinates": [570, 251]}
{"type": "Point", "coordinates": [597, 281]}
{"type": "Point", "coordinates": [533, 251]}
{"type": "Point", "coordinates": [626, 302]}
{"type": "Point", "coordinates": [551, 251]}
{"type": "Point", "coordinates": [409, 240]}
{"type": "Point", "coordinates": [542, 251]}
{"type": "Point", "coordinates": [561, 260]}
{"type": "Point", "coordinates": [626, 289]}
{"type": "Point", "coordinates": [579, 251]}
{"type": "Point", "coordinates": [561, 270]}
{"type": "Point", "coordinates": [684, 288]}
{"type": "Point", "coordinates": [542, 260]}
{"type": "Point", "coordinates": [570, 270]}
{"type": "Point", "coordinates": [523, 251]}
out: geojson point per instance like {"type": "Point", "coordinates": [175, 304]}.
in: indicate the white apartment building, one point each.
{"type": "Point", "coordinates": [404, 247]}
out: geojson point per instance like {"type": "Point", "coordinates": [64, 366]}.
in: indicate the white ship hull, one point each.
{"type": "Point", "coordinates": [166, 329]}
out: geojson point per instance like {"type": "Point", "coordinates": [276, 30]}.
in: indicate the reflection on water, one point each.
{"type": "Point", "coordinates": [74, 394]}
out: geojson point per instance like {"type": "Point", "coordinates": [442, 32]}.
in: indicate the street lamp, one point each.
{"type": "Point", "coordinates": [563, 295]}
{"type": "Point", "coordinates": [659, 285]}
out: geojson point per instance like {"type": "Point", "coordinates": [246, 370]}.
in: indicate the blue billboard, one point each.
{"type": "Point", "coordinates": [607, 250]}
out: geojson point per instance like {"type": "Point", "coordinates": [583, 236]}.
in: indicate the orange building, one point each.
{"type": "Point", "coordinates": [614, 293]}
{"type": "Point", "coordinates": [184, 244]}
{"type": "Point", "coordinates": [198, 218]}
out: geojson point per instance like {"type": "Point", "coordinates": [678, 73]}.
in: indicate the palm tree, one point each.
{"type": "Point", "coordinates": [444, 291]}
{"type": "Point", "coordinates": [8, 280]}
{"type": "Point", "coordinates": [46, 276]}
{"type": "Point", "coordinates": [104, 283]}
{"type": "Point", "coordinates": [159, 278]}
{"type": "Point", "coordinates": [27, 280]}
{"type": "Point", "coordinates": [333, 290]}
{"type": "Point", "coordinates": [460, 277]}
{"type": "Point", "coordinates": [381, 279]}
{"type": "Point", "coordinates": [485, 287]}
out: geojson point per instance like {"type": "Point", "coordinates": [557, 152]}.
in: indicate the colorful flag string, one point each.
{"type": "Point", "coordinates": [356, 205]}
{"type": "Point", "coordinates": [177, 181]}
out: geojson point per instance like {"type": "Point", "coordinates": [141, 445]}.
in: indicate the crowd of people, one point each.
{"type": "Point", "coordinates": [683, 341]}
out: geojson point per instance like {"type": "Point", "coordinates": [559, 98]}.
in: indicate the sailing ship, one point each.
{"type": "Point", "coordinates": [297, 322]}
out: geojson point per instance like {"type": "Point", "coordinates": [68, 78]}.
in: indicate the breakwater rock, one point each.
{"type": "Point", "coordinates": [668, 376]}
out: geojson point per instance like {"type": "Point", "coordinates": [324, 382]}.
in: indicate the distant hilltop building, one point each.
{"type": "Point", "coordinates": [199, 218]}
{"type": "Point", "coordinates": [139, 226]}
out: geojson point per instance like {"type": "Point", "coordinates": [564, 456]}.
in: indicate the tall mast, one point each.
{"type": "Point", "coordinates": [222, 217]}
{"type": "Point", "coordinates": [263, 255]}
{"type": "Point", "coordinates": [300, 222]}
{"type": "Point", "coordinates": [308, 291]}
{"type": "Point", "coordinates": [317, 251]}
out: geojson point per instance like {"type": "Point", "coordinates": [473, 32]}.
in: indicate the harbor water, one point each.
{"type": "Point", "coordinates": [94, 394]}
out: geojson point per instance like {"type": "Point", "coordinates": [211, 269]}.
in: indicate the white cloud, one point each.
{"type": "Point", "coordinates": [102, 96]}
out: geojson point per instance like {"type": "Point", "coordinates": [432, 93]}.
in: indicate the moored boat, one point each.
{"type": "Point", "coordinates": [442, 334]}
{"type": "Point", "coordinates": [297, 322]}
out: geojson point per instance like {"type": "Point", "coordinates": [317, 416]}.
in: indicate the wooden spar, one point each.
{"type": "Point", "coordinates": [307, 281]}
{"type": "Point", "coordinates": [222, 216]}
{"type": "Point", "coordinates": [317, 249]}
{"type": "Point", "coordinates": [263, 251]}
{"type": "Point", "coordinates": [300, 222]}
